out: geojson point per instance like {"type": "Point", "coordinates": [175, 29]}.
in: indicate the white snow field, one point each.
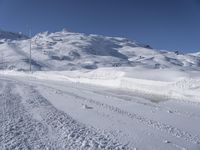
{"type": "Point", "coordinates": [90, 92]}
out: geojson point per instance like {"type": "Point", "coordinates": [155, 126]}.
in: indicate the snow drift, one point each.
{"type": "Point", "coordinates": [182, 86]}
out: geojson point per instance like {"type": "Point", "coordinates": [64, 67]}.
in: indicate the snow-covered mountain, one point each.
{"type": "Point", "coordinates": [4, 35]}
{"type": "Point", "coordinates": [141, 94]}
{"type": "Point", "coordinates": [71, 51]}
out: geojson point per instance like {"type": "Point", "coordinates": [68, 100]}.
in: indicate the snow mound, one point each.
{"type": "Point", "coordinates": [182, 86]}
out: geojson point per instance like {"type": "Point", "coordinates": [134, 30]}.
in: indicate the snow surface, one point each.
{"type": "Point", "coordinates": [159, 85]}
{"type": "Point", "coordinates": [52, 114]}
{"type": "Point", "coordinates": [95, 92]}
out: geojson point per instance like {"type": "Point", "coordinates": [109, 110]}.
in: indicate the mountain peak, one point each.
{"type": "Point", "coordinates": [65, 50]}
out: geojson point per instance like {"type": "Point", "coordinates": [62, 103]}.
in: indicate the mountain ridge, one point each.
{"type": "Point", "coordinates": [7, 35]}
{"type": "Point", "coordinates": [67, 50]}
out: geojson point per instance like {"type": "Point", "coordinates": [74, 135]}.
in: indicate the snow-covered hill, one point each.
{"type": "Point", "coordinates": [73, 51]}
{"type": "Point", "coordinates": [7, 36]}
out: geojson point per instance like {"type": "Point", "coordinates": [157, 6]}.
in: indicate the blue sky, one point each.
{"type": "Point", "coordinates": [163, 24]}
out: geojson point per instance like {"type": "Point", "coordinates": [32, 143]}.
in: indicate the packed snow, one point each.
{"type": "Point", "coordinates": [95, 92]}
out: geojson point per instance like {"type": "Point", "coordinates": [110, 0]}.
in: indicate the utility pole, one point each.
{"type": "Point", "coordinates": [2, 60]}
{"type": "Point", "coordinates": [30, 55]}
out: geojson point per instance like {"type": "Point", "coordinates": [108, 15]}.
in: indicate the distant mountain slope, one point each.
{"type": "Point", "coordinates": [71, 51]}
{"type": "Point", "coordinates": [4, 35]}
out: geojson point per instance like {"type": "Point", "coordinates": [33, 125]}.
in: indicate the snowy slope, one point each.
{"type": "Point", "coordinates": [5, 35]}
{"type": "Point", "coordinates": [73, 51]}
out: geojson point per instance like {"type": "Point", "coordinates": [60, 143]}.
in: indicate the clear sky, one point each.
{"type": "Point", "coordinates": [163, 24]}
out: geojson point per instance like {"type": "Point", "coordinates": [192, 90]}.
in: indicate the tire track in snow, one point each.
{"type": "Point", "coordinates": [155, 124]}
{"type": "Point", "coordinates": [20, 130]}
{"type": "Point", "coordinates": [2, 146]}
{"type": "Point", "coordinates": [176, 132]}
{"type": "Point", "coordinates": [193, 103]}
{"type": "Point", "coordinates": [154, 106]}
{"type": "Point", "coordinates": [71, 134]}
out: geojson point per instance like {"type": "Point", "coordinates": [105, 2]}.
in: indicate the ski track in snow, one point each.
{"type": "Point", "coordinates": [55, 129]}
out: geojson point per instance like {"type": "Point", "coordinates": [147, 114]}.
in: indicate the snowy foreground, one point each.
{"type": "Point", "coordinates": [101, 109]}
